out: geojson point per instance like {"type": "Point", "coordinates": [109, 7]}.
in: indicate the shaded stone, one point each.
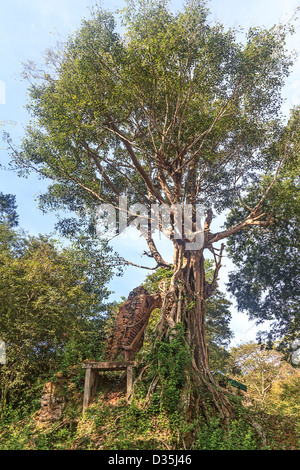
{"type": "Point", "coordinates": [52, 404]}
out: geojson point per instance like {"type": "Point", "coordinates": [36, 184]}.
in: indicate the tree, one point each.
{"type": "Point", "coordinates": [266, 278]}
{"type": "Point", "coordinates": [174, 114]}
{"type": "Point", "coordinates": [50, 298]}
{"type": "Point", "coordinates": [261, 369]}
{"type": "Point", "coordinates": [284, 395]}
{"type": "Point", "coordinates": [8, 208]}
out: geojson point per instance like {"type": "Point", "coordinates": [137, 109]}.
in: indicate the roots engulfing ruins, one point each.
{"type": "Point", "coordinates": [182, 302]}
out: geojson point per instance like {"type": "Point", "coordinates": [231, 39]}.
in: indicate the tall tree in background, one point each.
{"type": "Point", "coordinates": [8, 208]}
{"type": "Point", "coordinates": [261, 369]}
{"type": "Point", "coordinates": [51, 298]}
{"type": "Point", "coordinates": [266, 281]}
{"type": "Point", "coordinates": [174, 112]}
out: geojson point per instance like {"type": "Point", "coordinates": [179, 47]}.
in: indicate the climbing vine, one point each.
{"type": "Point", "coordinates": [169, 362]}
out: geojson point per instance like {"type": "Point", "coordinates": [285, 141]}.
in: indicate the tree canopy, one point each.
{"type": "Point", "coordinates": [266, 280]}
{"type": "Point", "coordinates": [50, 298]}
{"type": "Point", "coordinates": [268, 376]}
{"type": "Point", "coordinates": [174, 110]}
{"type": "Point", "coordinates": [8, 213]}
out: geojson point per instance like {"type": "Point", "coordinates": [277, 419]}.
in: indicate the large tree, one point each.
{"type": "Point", "coordinates": [175, 111]}
{"type": "Point", "coordinates": [51, 299]}
{"type": "Point", "coordinates": [266, 280]}
{"type": "Point", "coordinates": [8, 208]}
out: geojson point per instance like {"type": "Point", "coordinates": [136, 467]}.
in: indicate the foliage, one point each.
{"type": "Point", "coordinates": [122, 426]}
{"type": "Point", "coordinates": [8, 208]}
{"type": "Point", "coordinates": [151, 421]}
{"type": "Point", "coordinates": [169, 361]}
{"type": "Point", "coordinates": [265, 281]}
{"type": "Point", "coordinates": [160, 279]}
{"type": "Point", "coordinates": [218, 332]}
{"type": "Point", "coordinates": [176, 110]}
{"type": "Point", "coordinates": [217, 317]}
{"type": "Point", "coordinates": [157, 113]}
{"type": "Point", "coordinates": [173, 110]}
{"type": "Point", "coordinates": [262, 369]}
{"type": "Point", "coordinates": [52, 309]}
{"type": "Point", "coordinates": [239, 435]}
{"type": "Point", "coordinates": [284, 396]}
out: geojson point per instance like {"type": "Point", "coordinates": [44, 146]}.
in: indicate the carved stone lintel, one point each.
{"type": "Point", "coordinates": [132, 319]}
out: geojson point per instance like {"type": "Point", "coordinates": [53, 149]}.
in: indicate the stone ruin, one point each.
{"type": "Point", "coordinates": [52, 404]}
{"type": "Point", "coordinates": [130, 324]}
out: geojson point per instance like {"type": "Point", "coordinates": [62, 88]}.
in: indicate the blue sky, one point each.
{"type": "Point", "coordinates": [28, 27]}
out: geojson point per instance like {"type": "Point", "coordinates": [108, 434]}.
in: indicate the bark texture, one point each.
{"type": "Point", "coordinates": [185, 302]}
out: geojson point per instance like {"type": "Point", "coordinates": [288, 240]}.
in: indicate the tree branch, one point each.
{"type": "Point", "coordinates": [211, 287]}
{"type": "Point", "coordinates": [252, 219]}
{"type": "Point", "coordinates": [135, 161]}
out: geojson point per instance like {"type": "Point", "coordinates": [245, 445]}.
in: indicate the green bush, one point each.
{"type": "Point", "coordinates": [237, 435]}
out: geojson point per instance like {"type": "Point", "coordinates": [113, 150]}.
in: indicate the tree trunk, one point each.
{"type": "Point", "coordinates": [185, 302]}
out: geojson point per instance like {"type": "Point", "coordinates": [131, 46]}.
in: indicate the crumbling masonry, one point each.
{"type": "Point", "coordinates": [130, 324]}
